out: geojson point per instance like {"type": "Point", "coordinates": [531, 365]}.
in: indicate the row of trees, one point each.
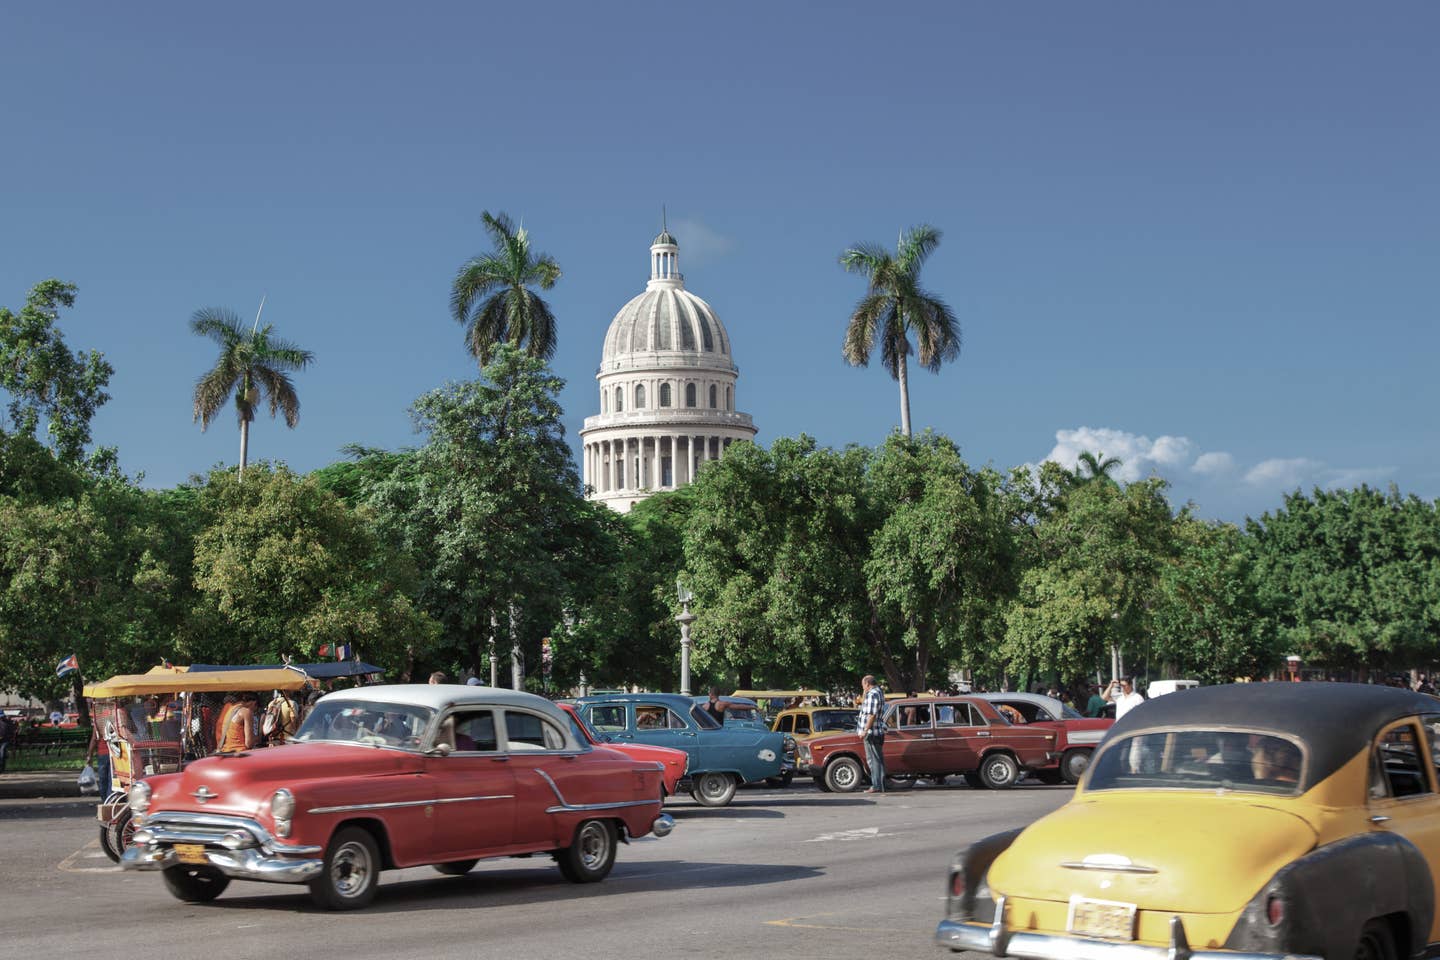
{"type": "Point", "coordinates": [809, 565]}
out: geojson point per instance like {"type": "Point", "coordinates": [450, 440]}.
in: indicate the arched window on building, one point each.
{"type": "Point", "coordinates": [619, 399]}
{"type": "Point", "coordinates": [689, 394]}
{"type": "Point", "coordinates": [729, 404]}
{"type": "Point", "coordinates": [713, 395]}
{"type": "Point", "coordinates": [604, 402]}
{"type": "Point", "coordinates": [664, 394]}
{"type": "Point", "coordinates": [639, 396]}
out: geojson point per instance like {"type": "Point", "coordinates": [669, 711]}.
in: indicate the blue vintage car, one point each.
{"type": "Point", "coordinates": [721, 758]}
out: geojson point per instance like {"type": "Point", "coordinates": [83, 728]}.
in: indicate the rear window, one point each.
{"type": "Point", "coordinates": [1199, 760]}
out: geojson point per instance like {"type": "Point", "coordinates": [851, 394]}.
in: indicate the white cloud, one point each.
{"type": "Point", "coordinates": [1285, 474]}
{"type": "Point", "coordinates": [1139, 456]}
{"type": "Point", "coordinates": [1209, 478]}
{"type": "Point", "coordinates": [698, 243]}
{"type": "Point", "coordinates": [1218, 464]}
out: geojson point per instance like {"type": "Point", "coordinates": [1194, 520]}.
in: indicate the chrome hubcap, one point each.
{"type": "Point", "coordinates": [351, 869]}
{"type": "Point", "coordinates": [713, 786]}
{"type": "Point", "coordinates": [594, 846]}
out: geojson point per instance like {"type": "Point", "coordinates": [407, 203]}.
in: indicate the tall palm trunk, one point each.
{"type": "Point", "coordinates": [244, 444]}
{"type": "Point", "coordinates": [902, 375]}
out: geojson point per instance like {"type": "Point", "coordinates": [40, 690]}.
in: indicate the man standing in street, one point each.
{"type": "Point", "coordinates": [872, 731]}
{"type": "Point", "coordinates": [1122, 693]}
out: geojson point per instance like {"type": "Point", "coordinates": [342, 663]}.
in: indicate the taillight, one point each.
{"type": "Point", "coordinates": [957, 884]}
{"type": "Point", "coordinates": [1275, 910]}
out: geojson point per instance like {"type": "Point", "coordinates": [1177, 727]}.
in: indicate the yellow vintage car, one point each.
{"type": "Point", "coordinates": [1261, 820]}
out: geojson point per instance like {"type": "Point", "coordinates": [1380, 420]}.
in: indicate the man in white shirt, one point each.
{"type": "Point", "coordinates": [1122, 693]}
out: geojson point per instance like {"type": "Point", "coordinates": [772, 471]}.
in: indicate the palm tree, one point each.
{"type": "Point", "coordinates": [895, 307]}
{"type": "Point", "coordinates": [253, 366]}
{"type": "Point", "coordinates": [492, 299]}
{"type": "Point", "coordinates": [1091, 467]}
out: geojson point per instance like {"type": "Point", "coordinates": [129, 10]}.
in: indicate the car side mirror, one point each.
{"type": "Point", "coordinates": [440, 750]}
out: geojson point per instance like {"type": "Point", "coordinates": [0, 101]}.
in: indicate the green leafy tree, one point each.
{"type": "Point", "coordinates": [1350, 579]}
{"type": "Point", "coordinates": [1207, 621]}
{"type": "Point", "coordinates": [92, 574]}
{"type": "Point", "coordinates": [253, 367]}
{"type": "Point", "coordinates": [45, 380]}
{"type": "Point", "coordinates": [1092, 579]}
{"type": "Point", "coordinates": [490, 509]}
{"type": "Point", "coordinates": [284, 566]}
{"type": "Point", "coordinates": [896, 306]}
{"type": "Point", "coordinates": [774, 553]}
{"type": "Point", "coordinates": [943, 562]}
{"type": "Point", "coordinates": [492, 299]}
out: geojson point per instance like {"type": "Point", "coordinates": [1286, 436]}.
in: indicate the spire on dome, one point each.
{"type": "Point", "coordinates": [665, 255]}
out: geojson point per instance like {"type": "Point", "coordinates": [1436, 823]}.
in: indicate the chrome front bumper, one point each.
{"type": "Point", "coordinates": [995, 939]}
{"type": "Point", "coordinates": [235, 846]}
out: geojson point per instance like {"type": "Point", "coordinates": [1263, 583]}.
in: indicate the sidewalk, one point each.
{"type": "Point", "coordinates": [41, 785]}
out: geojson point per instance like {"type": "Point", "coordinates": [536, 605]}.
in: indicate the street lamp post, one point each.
{"type": "Point", "coordinates": [494, 660]}
{"type": "Point", "coordinates": [684, 618]}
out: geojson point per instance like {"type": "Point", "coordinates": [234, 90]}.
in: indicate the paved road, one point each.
{"type": "Point", "coordinates": [779, 873]}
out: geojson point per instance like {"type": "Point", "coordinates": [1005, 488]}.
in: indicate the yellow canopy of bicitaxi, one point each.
{"type": "Point", "coordinates": [143, 684]}
{"type": "Point", "coordinates": [776, 694]}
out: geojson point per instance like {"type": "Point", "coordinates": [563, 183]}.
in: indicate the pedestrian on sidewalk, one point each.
{"type": "Point", "coordinates": [872, 731]}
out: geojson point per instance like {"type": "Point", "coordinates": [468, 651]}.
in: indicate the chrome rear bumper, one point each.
{"type": "Point", "coordinates": [995, 939]}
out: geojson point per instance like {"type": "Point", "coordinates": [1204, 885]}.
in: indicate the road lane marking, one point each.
{"type": "Point", "coordinates": [91, 851]}
{"type": "Point", "coordinates": [794, 923]}
{"type": "Point", "coordinates": [864, 833]}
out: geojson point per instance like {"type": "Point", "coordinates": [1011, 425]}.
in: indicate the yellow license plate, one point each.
{"type": "Point", "coordinates": [190, 853]}
{"type": "Point", "coordinates": [1102, 918]}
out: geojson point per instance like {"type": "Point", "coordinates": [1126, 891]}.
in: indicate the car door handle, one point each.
{"type": "Point", "coordinates": [982, 733]}
{"type": "Point", "coordinates": [500, 759]}
{"type": "Point", "coordinates": [927, 736]}
{"type": "Point", "coordinates": [687, 733]}
{"type": "Point", "coordinates": [1379, 819]}
{"type": "Point", "coordinates": [622, 736]}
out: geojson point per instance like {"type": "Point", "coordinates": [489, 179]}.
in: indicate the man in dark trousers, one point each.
{"type": "Point", "coordinates": [872, 731]}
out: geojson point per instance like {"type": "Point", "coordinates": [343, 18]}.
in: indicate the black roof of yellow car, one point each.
{"type": "Point", "coordinates": [1334, 720]}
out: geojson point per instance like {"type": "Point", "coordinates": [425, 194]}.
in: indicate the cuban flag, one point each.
{"type": "Point", "coordinates": [68, 665]}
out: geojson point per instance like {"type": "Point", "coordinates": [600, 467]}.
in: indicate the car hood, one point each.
{"type": "Point", "coordinates": [1204, 854]}
{"type": "Point", "coordinates": [240, 783]}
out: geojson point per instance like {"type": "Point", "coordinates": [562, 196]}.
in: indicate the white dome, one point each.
{"type": "Point", "coordinates": [666, 318]}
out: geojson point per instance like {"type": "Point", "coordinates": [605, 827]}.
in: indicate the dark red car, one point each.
{"type": "Point", "coordinates": [933, 738]}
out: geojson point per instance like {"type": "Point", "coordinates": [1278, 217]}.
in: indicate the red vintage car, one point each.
{"type": "Point", "coordinates": [386, 777]}
{"type": "Point", "coordinates": [674, 763]}
{"type": "Point", "coordinates": [933, 738]}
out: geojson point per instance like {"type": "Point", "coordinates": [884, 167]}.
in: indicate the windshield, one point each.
{"type": "Point", "coordinates": [376, 724]}
{"type": "Point", "coordinates": [1199, 760]}
{"type": "Point", "coordinates": [831, 720]}
{"type": "Point", "coordinates": [1070, 713]}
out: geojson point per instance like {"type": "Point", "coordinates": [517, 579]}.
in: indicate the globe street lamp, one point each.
{"type": "Point", "coordinates": [685, 618]}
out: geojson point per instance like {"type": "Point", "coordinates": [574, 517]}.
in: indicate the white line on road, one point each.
{"type": "Point", "coordinates": [864, 833]}
{"type": "Point", "coordinates": [91, 851]}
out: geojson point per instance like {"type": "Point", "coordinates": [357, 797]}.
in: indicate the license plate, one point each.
{"type": "Point", "coordinates": [190, 853]}
{"type": "Point", "coordinates": [1102, 918]}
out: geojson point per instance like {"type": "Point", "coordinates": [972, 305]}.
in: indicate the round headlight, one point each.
{"type": "Point", "coordinates": [140, 796]}
{"type": "Point", "coordinates": [282, 804]}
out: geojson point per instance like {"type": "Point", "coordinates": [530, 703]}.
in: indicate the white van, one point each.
{"type": "Point", "coordinates": [1160, 687]}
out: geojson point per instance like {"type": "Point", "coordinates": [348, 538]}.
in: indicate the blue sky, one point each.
{"type": "Point", "coordinates": [1200, 237]}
